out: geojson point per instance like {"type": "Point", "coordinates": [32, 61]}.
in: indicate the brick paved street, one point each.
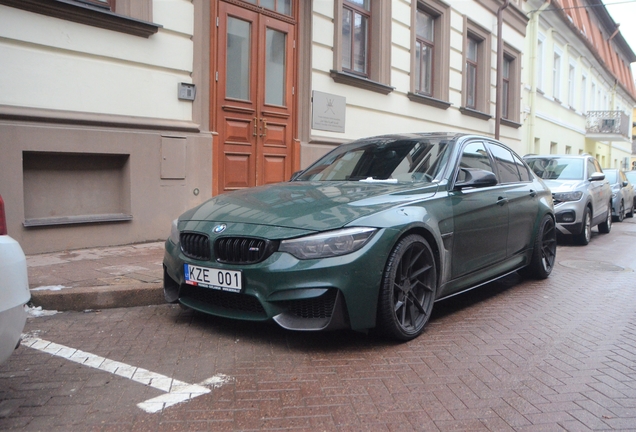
{"type": "Point", "coordinates": [514, 355]}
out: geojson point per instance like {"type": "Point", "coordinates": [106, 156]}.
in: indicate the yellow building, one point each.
{"type": "Point", "coordinates": [580, 92]}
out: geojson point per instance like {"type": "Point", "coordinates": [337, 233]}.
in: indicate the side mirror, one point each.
{"type": "Point", "coordinates": [625, 183]}
{"type": "Point", "coordinates": [597, 176]}
{"type": "Point", "coordinates": [473, 177]}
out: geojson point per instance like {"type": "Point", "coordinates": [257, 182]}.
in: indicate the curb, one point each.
{"type": "Point", "coordinates": [100, 297]}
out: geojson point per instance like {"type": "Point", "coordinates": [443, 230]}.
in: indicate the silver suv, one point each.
{"type": "Point", "coordinates": [581, 194]}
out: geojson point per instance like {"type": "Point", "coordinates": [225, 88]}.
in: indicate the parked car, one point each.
{"type": "Point", "coordinates": [622, 194]}
{"type": "Point", "coordinates": [14, 290]}
{"type": "Point", "coordinates": [581, 193]}
{"type": "Point", "coordinates": [370, 235]}
{"type": "Point", "coordinates": [631, 176]}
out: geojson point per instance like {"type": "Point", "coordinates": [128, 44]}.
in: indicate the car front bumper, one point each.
{"type": "Point", "coordinates": [314, 294]}
{"type": "Point", "coordinates": [569, 217]}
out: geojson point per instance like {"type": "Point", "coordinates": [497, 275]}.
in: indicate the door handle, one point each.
{"type": "Point", "coordinates": [264, 134]}
{"type": "Point", "coordinates": [255, 133]}
{"type": "Point", "coordinates": [502, 201]}
{"type": "Point", "coordinates": [533, 193]}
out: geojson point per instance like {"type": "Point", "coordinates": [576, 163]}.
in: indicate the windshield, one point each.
{"type": "Point", "coordinates": [386, 159]}
{"type": "Point", "coordinates": [557, 168]}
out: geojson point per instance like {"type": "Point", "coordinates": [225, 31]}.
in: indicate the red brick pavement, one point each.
{"type": "Point", "coordinates": [514, 355]}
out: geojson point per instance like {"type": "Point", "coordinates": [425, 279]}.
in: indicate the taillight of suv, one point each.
{"type": "Point", "coordinates": [3, 219]}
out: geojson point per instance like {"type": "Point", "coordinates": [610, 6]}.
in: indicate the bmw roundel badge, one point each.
{"type": "Point", "coordinates": [219, 228]}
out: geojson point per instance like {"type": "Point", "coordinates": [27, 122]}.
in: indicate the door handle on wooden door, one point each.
{"type": "Point", "coordinates": [264, 134]}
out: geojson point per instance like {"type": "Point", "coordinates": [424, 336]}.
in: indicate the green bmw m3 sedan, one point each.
{"type": "Point", "coordinates": [368, 237]}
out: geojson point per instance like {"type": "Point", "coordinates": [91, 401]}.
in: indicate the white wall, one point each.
{"type": "Point", "coordinates": [369, 113]}
{"type": "Point", "coordinates": [61, 65]}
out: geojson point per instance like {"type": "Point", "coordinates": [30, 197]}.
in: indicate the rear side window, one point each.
{"type": "Point", "coordinates": [508, 171]}
{"type": "Point", "coordinates": [524, 172]}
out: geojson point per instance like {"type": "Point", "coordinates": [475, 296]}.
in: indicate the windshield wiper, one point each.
{"type": "Point", "coordinates": [372, 180]}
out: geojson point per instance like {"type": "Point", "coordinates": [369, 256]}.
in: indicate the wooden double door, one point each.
{"type": "Point", "coordinates": [254, 99]}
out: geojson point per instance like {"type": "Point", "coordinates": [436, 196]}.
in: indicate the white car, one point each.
{"type": "Point", "coordinates": [582, 195]}
{"type": "Point", "coordinates": [14, 290]}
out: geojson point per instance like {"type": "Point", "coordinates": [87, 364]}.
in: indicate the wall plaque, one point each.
{"type": "Point", "coordinates": [328, 112]}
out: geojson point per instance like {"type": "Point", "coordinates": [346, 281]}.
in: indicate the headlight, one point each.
{"type": "Point", "coordinates": [568, 196]}
{"type": "Point", "coordinates": [328, 244]}
{"type": "Point", "coordinates": [174, 232]}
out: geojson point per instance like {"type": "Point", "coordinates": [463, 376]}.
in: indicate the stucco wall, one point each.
{"type": "Point", "coordinates": [74, 94]}
{"type": "Point", "coordinates": [153, 201]}
{"type": "Point", "coordinates": [369, 113]}
{"type": "Point", "coordinates": [56, 64]}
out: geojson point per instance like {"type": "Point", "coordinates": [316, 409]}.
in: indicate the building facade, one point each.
{"type": "Point", "coordinates": [98, 145]}
{"type": "Point", "coordinates": [116, 116]}
{"type": "Point", "coordinates": [580, 93]}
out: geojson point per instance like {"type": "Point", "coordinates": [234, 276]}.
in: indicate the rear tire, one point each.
{"type": "Point", "coordinates": [583, 238]}
{"type": "Point", "coordinates": [544, 252]}
{"type": "Point", "coordinates": [630, 214]}
{"type": "Point", "coordinates": [606, 226]}
{"type": "Point", "coordinates": [408, 289]}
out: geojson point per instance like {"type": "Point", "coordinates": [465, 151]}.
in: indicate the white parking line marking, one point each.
{"type": "Point", "coordinates": [176, 391]}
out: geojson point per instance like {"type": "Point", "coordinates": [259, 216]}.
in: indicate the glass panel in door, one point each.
{"type": "Point", "coordinates": [237, 84]}
{"type": "Point", "coordinates": [275, 67]}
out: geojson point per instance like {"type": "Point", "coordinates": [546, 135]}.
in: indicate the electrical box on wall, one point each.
{"type": "Point", "coordinates": [187, 91]}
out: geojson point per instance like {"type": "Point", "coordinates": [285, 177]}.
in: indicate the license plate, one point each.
{"type": "Point", "coordinates": [224, 280]}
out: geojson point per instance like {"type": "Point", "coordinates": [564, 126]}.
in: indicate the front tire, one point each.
{"type": "Point", "coordinates": [621, 213]}
{"type": "Point", "coordinates": [583, 238]}
{"type": "Point", "coordinates": [606, 226]}
{"type": "Point", "coordinates": [408, 289]}
{"type": "Point", "coordinates": [544, 252]}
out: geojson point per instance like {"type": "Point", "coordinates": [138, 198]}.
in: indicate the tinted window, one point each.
{"type": "Point", "coordinates": [506, 165]}
{"type": "Point", "coordinates": [610, 176]}
{"type": "Point", "coordinates": [524, 172]}
{"type": "Point", "coordinates": [474, 156]}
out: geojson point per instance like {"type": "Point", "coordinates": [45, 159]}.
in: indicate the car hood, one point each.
{"type": "Point", "coordinates": [314, 206]}
{"type": "Point", "coordinates": [563, 185]}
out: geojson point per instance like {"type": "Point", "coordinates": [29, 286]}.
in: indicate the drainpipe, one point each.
{"type": "Point", "coordinates": [499, 66]}
{"type": "Point", "coordinates": [534, 38]}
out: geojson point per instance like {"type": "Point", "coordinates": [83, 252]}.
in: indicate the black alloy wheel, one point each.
{"type": "Point", "coordinates": [408, 289]}
{"type": "Point", "coordinates": [544, 252]}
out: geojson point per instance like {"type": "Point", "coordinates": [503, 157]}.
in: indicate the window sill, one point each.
{"type": "Point", "coordinates": [73, 220]}
{"type": "Point", "coordinates": [474, 113]}
{"type": "Point", "coordinates": [510, 123]}
{"type": "Point", "coordinates": [86, 14]}
{"type": "Point", "coordinates": [427, 100]}
{"type": "Point", "coordinates": [364, 83]}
